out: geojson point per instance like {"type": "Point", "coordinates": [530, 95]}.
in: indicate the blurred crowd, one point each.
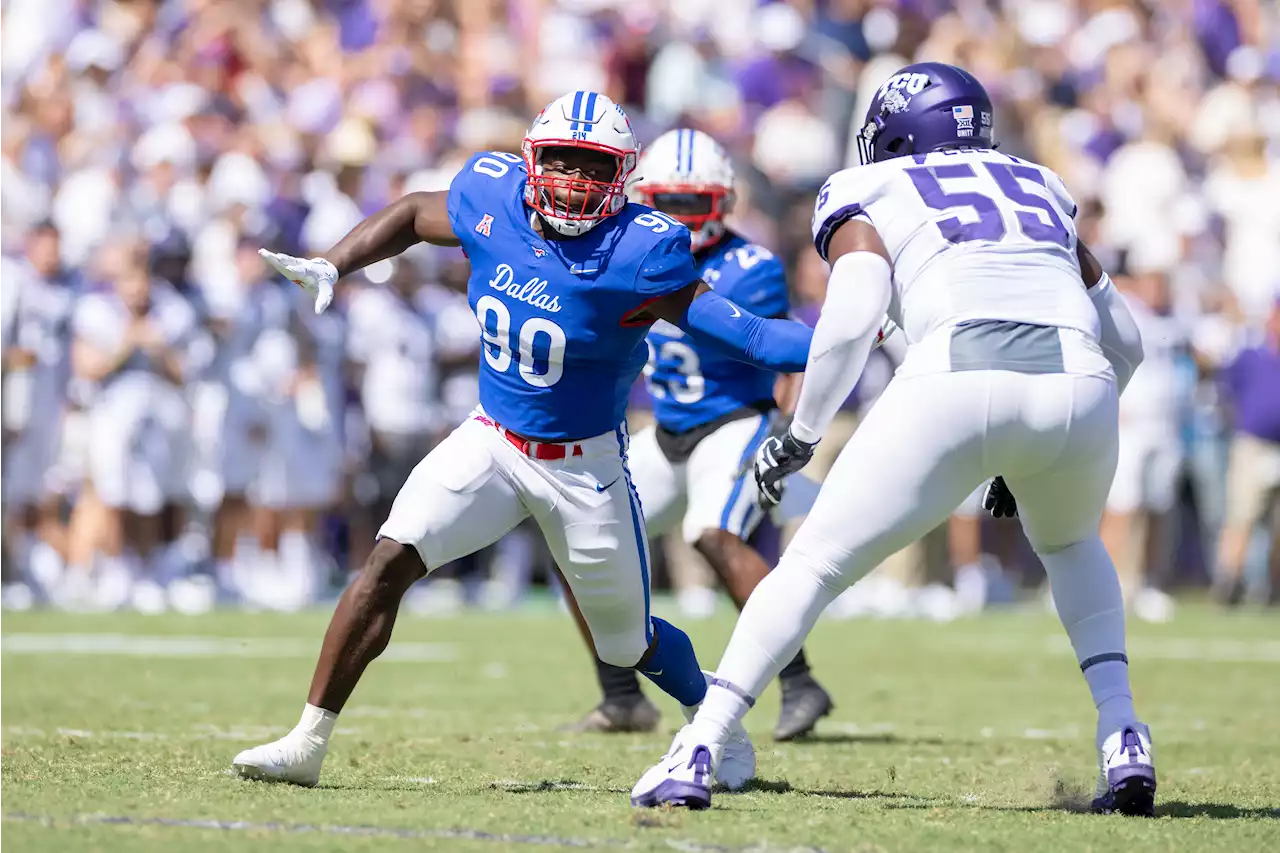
{"type": "Point", "coordinates": [180, 428]}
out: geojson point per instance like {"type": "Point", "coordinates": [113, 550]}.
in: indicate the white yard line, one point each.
{"type": "Point", "coordinates": [161, 646]}
{"type": "Point", "coordinates": [506, 839]}
{"type": "Point", "coordinates": [1203, 650]}
{"type": "Point", "coordinates": [198, 732]}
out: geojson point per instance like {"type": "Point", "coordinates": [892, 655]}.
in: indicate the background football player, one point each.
{"type": "Point", "coordinates": [711, 413]}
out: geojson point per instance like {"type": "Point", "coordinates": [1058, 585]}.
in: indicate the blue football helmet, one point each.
{"type": "Point", "coordinates": [926, 107]}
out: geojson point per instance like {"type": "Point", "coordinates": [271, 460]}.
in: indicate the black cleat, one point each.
{"type": "Point", "coordinates": [1135, 797]}
{"type": "Point", "coordinates": [1228, 592]}
{"type": "Point", "coordinates": [804, 702]}
{"type": "Point", "coordinates": [632, 713]}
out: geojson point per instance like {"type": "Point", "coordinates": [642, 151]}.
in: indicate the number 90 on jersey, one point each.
{"type": "Point", "coordinates": [539, 345]}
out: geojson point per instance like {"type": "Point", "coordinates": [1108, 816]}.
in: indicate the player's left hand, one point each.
{"type": "Point", "coordinates": [316, 275]}
{"type": "Point", "coordinates": [998, 500]}
{"type": "Point", "coordinates": [777, 458]}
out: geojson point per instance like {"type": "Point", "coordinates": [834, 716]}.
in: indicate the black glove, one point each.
{"type": "Point", "coordinates": [777, 458]}
{"type": "Point", "coordinates": [779, 425]}
{"type": "Point", "coordinates": [998, 500]}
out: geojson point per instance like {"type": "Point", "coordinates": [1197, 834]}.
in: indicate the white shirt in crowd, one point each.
{"type": "Point", "coordinates": [1251, 254]}
{"type": "Point", "coordinates": [395, 345]}
{"type": "Point", "coordinates": [101, 319]}
{"type": "Point", "coordinates": [1157, 395]}
{"type": "Point", "coordinates": [37, 315]}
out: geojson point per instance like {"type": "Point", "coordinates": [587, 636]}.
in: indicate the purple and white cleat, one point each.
{"type": "Point", "coordinates": [681, 778]}
{"type": "Point", "coordinates": [1127, 775]}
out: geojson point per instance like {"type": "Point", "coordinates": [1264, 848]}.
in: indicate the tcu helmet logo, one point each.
{"type": "Point", "coordinates": [895, 102]}
{"type": "Point", "coordinates": [912, 82]}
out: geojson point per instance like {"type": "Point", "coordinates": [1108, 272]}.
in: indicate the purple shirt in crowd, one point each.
{"type": "Point", "coordinates": [1253, 381]}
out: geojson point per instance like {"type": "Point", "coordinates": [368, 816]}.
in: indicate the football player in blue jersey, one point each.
{"type": "Point", "coordinates": [712, 412]}
{"type": "Point", "coordinates": [566, 278]}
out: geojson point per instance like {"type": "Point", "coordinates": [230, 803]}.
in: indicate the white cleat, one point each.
{"type": "Point", "coordinates": [295, 758]}
{"type": "Point", "coordinates": [735, 761]}
{"type": "Point", "coordinates": [682, 778]}
{"type": "Point", "coordinates": [736, 764]}
{"type": "Point", "coordinates": [1127, 774]}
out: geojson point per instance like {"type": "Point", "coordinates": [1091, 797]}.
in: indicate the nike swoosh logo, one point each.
{"type": "Point", "coordinates": [736, 312]}
{"type": "Point", "coordinates": [655, 674]}
{"type": "Point", "coordinates": [603, 488]}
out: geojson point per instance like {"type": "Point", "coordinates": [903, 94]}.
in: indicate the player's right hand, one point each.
{"type": "Point", "coordinates": [316, 276]}
{"type": "Point", "coordinates": [998, 500]}
{"type": "Point", "coordinates": [775, 460]}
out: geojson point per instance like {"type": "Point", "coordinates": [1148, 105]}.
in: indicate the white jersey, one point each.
{"type": "Point", "coordinates": [39, 323]}
{"type": "Point", "coordinates": [1157, 399]}
{"type": "Point", "coordinates": [394, 343]}
{"type": "Point", "coordinates": [101, 319]}
{"type": "Point", "coordinates": [972, 234]}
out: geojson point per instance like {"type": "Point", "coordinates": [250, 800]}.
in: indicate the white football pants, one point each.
{"type": "Point", "coordinates": [926, 444]}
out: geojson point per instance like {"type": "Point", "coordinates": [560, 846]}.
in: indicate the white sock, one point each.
{"type": "Point", "coordinates": [1086, 593]}
{"type": "Point", "coordinates": [316, 724]}
{"type": "Point", "coordinates": [45, 568]}
{"type": "Point", "coordinates": [224, 571]}
{"type": "Point", "coordinates": [297, 569]}
{"type": "Point", "coordinates": [295, 558]}
{"type": "Point", "coordinates": [720, 709]}
{"type": "Point", "coordinates": [773, 626]}
{"type": "Point", "coordinates": [294, 548]}
{"type": "Point", "coordinates": [113, 566]}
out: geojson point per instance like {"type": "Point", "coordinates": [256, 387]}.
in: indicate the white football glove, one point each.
{"type": "Point", "coordinates": [316, 276]}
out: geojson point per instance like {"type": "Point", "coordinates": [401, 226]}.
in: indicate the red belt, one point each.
{"type": "Point", "coordinates": [546, 451]}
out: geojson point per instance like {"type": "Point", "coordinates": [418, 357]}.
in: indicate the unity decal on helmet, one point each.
{"type": "Point", "coordinates": [964, 120]}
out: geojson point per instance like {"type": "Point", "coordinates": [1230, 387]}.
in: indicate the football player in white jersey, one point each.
{"type": "Point", "coordinates": [1019, 348]}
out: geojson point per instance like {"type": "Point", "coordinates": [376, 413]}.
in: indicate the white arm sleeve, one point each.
{"type": "Point", "coordinates": [858, 294]}
{"type": "Point", "coordinates": [1121, 341]}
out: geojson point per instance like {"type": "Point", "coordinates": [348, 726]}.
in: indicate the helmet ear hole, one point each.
{"type": "Point", "coordinates": [895, 146]}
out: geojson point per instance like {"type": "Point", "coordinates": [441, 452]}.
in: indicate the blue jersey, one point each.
{"type": "Point", "coordinates": [692, 385]}
{"type": "Point", "coordinates": [559, 357]}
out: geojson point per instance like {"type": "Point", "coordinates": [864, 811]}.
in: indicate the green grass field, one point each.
{"type": "Point", "coordinates": [976, 735]}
